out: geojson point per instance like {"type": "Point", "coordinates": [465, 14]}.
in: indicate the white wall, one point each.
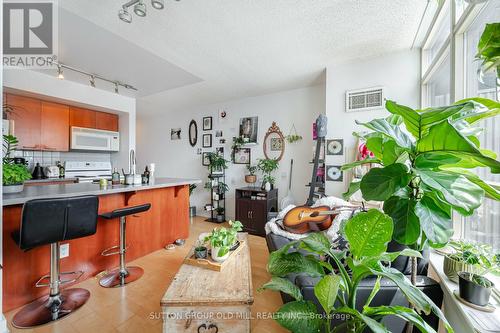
{"type": "Point", "coordinates": [72, 93]}
{"type": "Point", "coordinates": [179, 159]}
{"type": "Point", "coordinates": [398, 72]}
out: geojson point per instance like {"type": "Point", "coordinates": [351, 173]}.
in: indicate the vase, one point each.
{"type": "Point", "coordinates": [215, 256]}
{"type": "Point", "coordinates": [267, 186]}
{"type": "Point", "coordinates": [451, 267]}
{"type": "Point", "coordinates": [8, 189]}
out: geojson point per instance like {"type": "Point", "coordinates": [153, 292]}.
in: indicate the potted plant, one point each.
{"type": "Point", "coordinates": [336, 290]}
{"type": "Point", "coordinates": [220, 214]}
{"type": "Point", "coordinates": [467, 257]}
{"type": "Point", "coordinates": [192, 209]}
{"type": "Point", "coordinates": [223, 240]}
{"type": "Point", "coordinates": [14, 175]}
{"type": "Point", "coordinates": [267, 166]}
{"type": "Point", "coordinates": [235, 227]}
{"type": "Point", "coordinates": [474, 288]}
{"type": "Point", "coordinates": [251, 178]}
{"type": "Point", "coordinates": [200, 251]}
{"type": "Point", "coordinates": [217, 163]}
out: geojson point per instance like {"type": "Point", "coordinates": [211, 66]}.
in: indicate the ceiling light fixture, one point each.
{"type": "Point", "coordinates": [60, 74]}
{"type": "Point", "coordinates": [139, 8]}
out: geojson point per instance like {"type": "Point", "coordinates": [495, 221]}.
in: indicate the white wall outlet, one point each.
{"type": "Point", "coordinates": [64, 250]}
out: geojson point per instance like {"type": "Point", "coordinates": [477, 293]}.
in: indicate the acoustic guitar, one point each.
{"type": "Point", "coordinates": [302, 219]}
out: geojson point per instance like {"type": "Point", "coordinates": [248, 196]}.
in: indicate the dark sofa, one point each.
{"type": "Point", "coordinates": [388, 294]}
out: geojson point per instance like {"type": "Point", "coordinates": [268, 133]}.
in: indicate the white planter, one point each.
{"type": "Point", "coordinates": [6, 189]}
{"type": "Point", "coordinates": [215, 257]}
{"type": "Point", "coordinates": [267, 186]}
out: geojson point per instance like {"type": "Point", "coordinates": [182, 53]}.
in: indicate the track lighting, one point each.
{"type": "Point", "coordinates": [158, 4]}
{"type": "Point", "coordinates": [60, 75]}
{"type": "Point", "coordinates": [139, 9]}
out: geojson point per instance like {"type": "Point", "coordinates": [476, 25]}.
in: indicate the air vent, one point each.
{"type": "Point", "coordinates": [364, 99]}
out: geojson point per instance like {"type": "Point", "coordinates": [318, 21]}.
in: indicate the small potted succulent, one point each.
{"type": "Point", "coordinates": [220, 214]}
{"type": "Point", "coordinates": [251, 178]}
{"type": "Point", "coordinates": [200, 250]}
{"type": "Point", "coordinates": [223, 240]}
{"type": "Point", "coordinates": [14, 175]}
{"type": "Point", "coordinates": [467, 257]}
{"type": "Point", "coordinates": [474, 288]}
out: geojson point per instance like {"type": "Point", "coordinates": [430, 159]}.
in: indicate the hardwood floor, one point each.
{"type": "Point", "coordinates": [136, 307]}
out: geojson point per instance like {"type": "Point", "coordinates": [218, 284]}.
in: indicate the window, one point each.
{"type": "Point", "coordinates": [446, 53]}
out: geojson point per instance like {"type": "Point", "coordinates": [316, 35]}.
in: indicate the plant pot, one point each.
{"type": "Point", "coordinates": [215, 256]}
{"type": "Point", "coordinates": [451, 267]}
{"type": "Point", "coordinates": [268, 186]}
{"type": "Point", "coordinates": [192, 211]}
{"type": "Point", "coordinates": [7, 189]}
{"type": "Point", "coordinates": [219, 218]}
{"type": "Point", "coordinates": [473, 292]}
{"type": "Point", "coordinates": [200, 252]}
{"type": "Point", "coordinates": [250, 179]}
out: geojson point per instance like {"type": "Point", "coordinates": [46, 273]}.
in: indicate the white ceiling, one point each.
{"type": "Point", "coordinates": [238, 48]}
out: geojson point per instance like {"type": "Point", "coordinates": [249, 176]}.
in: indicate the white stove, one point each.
{"type": "Point", "coordinates": [87, 172]}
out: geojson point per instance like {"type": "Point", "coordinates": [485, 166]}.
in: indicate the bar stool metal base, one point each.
{"type": "Point", "coordinates": [49, 309]}
{"type": "Point", "coordinates": [116, 278]}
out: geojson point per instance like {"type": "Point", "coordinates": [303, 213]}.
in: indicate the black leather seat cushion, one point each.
{"type": "Point", "coordinates": [126, 211]}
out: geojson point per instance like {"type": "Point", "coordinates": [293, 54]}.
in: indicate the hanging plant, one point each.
{"type": "Point", "coordinates": [293, 136]}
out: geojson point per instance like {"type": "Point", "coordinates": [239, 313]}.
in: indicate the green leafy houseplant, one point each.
{"type": "Point", "coordinates": [13, 174]}
{"type": "Point", "coordinates": [368, 234]}
{"type": "Point", "coordinates": [489, 48]}
{"type": "Point", "coordinates": [222, 239]}
{"type": "Point", "coordinates": [217, 163]}
{"type": "Point", "coordinates": [267, 166]}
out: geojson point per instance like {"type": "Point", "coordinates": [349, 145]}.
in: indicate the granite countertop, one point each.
{"type": "Point", "coordinates": [67, 190]}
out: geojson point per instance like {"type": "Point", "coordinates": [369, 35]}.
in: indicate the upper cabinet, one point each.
{"type": "Point", "coordinates": [55, 127]}
{"type": "Point", "coordinates": [42, 125]}
{"type": "Point", "coordinates": [27, 120]}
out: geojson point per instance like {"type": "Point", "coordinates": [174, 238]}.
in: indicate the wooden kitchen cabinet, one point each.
{"type": "Point", "coordinates": [55, 127]}
{"type": "Point", "coordinates": [106, 121]}
{"type": "Point", "coordinates": [253, 206]}
{"type": "Point", "coordinates": [80, 117]}
{"type": "Point", "coordinates": [27, 120]}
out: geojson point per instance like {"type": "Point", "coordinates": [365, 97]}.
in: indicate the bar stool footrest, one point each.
{"type": "Point", "coordinates": [106, 252]}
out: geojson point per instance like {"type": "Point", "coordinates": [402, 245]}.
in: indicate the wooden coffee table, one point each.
{"type": "Point", "coordinates": [202, 300]}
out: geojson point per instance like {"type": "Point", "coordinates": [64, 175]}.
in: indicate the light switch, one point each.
{"type": "Point", "coordinates": [64, 250]}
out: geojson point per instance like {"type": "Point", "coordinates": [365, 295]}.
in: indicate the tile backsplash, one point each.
{"type": "Point", "coordinates": [46, 158]}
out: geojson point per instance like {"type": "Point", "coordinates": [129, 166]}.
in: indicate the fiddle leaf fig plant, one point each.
{"type": "Point", "coordinates": [368, 234]}
{"type": "Point", "coordinates": [425, 158]}
{"type": "Point", "coordinates": [489, 48]}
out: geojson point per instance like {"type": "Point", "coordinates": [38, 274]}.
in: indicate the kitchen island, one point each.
{"type": "Point", "coordinates": [166, 221]}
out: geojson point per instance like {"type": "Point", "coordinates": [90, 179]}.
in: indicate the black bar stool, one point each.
{"type": "Point", "coordinates": [122, 275]}
{"type": "Point", "coordinates": [50, 221]}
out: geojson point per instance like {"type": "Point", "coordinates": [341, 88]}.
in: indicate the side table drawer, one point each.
{"type": "Point", "coordinates": [207, 319]}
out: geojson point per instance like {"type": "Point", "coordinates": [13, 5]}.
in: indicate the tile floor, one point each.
{"type": "Point", "coordinates": [133, 308]}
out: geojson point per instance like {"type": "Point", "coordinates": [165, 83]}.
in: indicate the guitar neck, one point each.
{"type": "Point", "coordinates": [338, 210]}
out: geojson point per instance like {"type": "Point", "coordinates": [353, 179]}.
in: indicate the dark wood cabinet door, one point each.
{"type": "Point", "coordinates": [55, 127]}
{"type": "Point", "coordinates": [243, 211]}
{"type": "Point", "coordinates": [259, 216]}
{"type": "Point", "coordinates": [26, 116]}
{"type": "Point", "coordinates": [106, 121]}
{"type": "Point", "coordinates": [82, 117]}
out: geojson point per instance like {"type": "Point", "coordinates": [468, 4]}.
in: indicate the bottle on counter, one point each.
{"type": "Point", "coordinates": [145, 176]}
{"type": "Point", "coordinates": [61, 169]}
{"type": "Point", "coordinates": [115, 177]}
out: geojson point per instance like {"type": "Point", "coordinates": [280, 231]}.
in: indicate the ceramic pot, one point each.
{"type": "Point", "coordinates": [267, 186]}
{"type": "Point", "coordinates": [219, 218]}
{"type": "Point", "coordinates": [472, 292]}
{"type": "Point", "coordinates": [451, 267]}
{"type": "Point", "coordinates": [7, 189]}
{"type": "Point", "coordinates": [215, 256]}
{"type": "Point", "coordinates": [200, 252]}
{"type": "Point", "coordinates": [250, 179]}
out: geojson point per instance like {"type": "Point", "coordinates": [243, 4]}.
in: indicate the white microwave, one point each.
{"type": "Point", "coordinates": [94, 139]}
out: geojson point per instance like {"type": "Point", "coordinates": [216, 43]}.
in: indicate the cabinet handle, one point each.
{"type": "Point", "coordinates": [28, 147]}
{"type": "Point", "coordinates": [48, 148]}
{"type": "Point", "coordinates": [251, 214]}
{"type": "Point", "coordinates": [248, 214]}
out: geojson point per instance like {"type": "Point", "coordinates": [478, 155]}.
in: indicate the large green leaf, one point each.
{"type": "Point", "coordinates": [284, 285]}
{"type": "Point", "coordinates": [316, 242]}
{"type": "Point", "coordinates": [295, 262]}
{"type": "Point", "coordinates": [391, 256]}
{"type": "Point", "coordinates": [374, 325]}
{"type": "Point", "coordinates": [486, 108]}
{"type": "Point", "coordinates": [458, 191]}
{"type": "Point", "coordinates": [299, 317]}
{"type": "Point", "coordinates": [368, 233]}
{"type": "Point", "coordinates": [491, 190]}
{"type": "Point", "coordinates": [353, 188]}
{"type": "Point", "coordinates": [406, 222]}
{"type": "Point", "coordinates": [391, 131]}
{"type": "Point", "coordinates": [326, 291]}
{"type": "Point", "coordinates": [445, 138]}
{"type": "Point", "coordinates": [404, 313]}
{"type": "Point", "coordinates": [441, 159]}
{"type": "Point", "coordinates": [435, 223]}
{"type": "Point", "coordinates": [381, 183]}
{"type": "Point", "coordinates": [349, 166]}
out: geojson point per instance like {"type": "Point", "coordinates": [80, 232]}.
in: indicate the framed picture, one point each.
{"type": "Point", "coordinates": [218, 134]}
{"type": "Point", "coordinates": [207, 123]}
{"type": "Point", "coordinates": [205, 160]}
{"type": "Point", "coordinates": [207, 140]}
{"type": "Point", "coordinates": [276, 144]}
{"type": "Point", "coordinates": [334, 173]}
{"type": "Point", "coordinates": [248, 129]}
{"type": "Point", "coordinates": [241, 156]}
{"type": "Point", "coordinates": [220, 151]}
{"type": "Point", "coordinates": [335, 147]}
{"type": "Point", "coordinates": [175, 134]}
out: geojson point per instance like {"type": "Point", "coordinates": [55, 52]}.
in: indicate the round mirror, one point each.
{"type": "Point", "coordinates": [193, 133]}
{"type": "Point", "coordinates": [274, 143]}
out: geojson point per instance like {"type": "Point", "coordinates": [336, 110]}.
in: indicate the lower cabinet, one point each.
{"type": "Point", "coordinates": [253, 206]}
